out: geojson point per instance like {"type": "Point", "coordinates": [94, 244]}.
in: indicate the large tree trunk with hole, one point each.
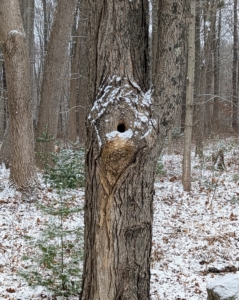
{"type": "Point", "coordinates": [22, 171]}
{"type": "Point", "coordinates": [53, 77]}
{"type": "Point", "coordinates": [125, 134]}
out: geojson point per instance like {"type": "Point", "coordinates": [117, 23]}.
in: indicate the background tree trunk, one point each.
{"type": "Point", "coordinates": [28, 13]}
{"type": "Point", "coordinates": [53, 77]}
{"type": "Point", "coordinates": [74, 76]}
{"type": "Point", "coordinates": [124, 139]}
{"type": "Point", "coordinates": [198, 99]}
{"type": "Point", "coordinates": [189, 102]}
{"type": "Point", "coordinates": [22, 171]}
{"type": "Point", "coordinates": [82, 104]}
{"type": "Point", "coordinates": [234, 70]}
{"type": "Point", "coordinates": [216, 105]}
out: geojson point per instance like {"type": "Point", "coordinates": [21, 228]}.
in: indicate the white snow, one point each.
{"type": "Point", "coordinates": [193, 232]}
{"type": "Point", "coordinates": [16, 32]}
{"type": "Point", "coordinates": [123, 135]}
{"type": "Point", "coordinates": [227, 286]}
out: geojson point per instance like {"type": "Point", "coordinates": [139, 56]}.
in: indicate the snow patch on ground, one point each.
{"type": "Point", "coordinates": [195, 234]}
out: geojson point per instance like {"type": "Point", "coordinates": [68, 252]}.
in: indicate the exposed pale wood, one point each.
{"type": "Point", "coordinates": [125, 134]}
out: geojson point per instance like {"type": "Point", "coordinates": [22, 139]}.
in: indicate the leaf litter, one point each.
{"type": "Point", "coordinates": [195, 234]}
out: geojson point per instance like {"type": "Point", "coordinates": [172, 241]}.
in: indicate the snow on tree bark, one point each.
{"type": "Point", "coordinates": [124, 139]}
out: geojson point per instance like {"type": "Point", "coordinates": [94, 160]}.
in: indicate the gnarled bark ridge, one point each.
{"type": "Point", "coordinates": [124, 138]}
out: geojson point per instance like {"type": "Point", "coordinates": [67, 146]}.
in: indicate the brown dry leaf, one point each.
{"type": "Point", "coordinates": [197, 284]}
{"type": "Point", "coordinates": [165, 240]}
{"type": "Point", "coordinates": [11, 290]}
{"type": "Point", "coordinates": [214, 180]}
{"type": "Point", "coordinates": [172, 179]}
{"type": "Point", "coordinates": [233, 217]}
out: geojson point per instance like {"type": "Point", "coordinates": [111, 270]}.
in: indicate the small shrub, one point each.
{"type": "Point", "coordinates": [176, 133]}
{"type": "Point", "coordinates": [235, 177]}
{"type": "Point", "coordinates": [160, 171]}
{"type": "Point", "coordinates": [67, 171]}
{"type": "Point", "coordinates": [54, 258]}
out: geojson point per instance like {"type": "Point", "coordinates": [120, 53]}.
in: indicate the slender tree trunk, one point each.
{"type": "Point", "coordinates": [209, 29]}
{"type": "Point", "coordinates": [2, 99]}
{"type": "Point", "coordinates": [28, 14]}
{"type": "Point", "coordinates": [53, 77]}
{"type": "Point", "coordinates": [124, 139]}
{"type": "Point", "coordinates": [189, 101]}
{"type": "Point", "coordinates": [234, 70]}
{"type": "Point", "coordinates": [74, 77]}
{"type": "Point", "coordinates": [82, 103]}
{"type": "Point", "coordinates": [22, 170]}
{"type": "Point", "coordinates": [216, 104]}
{"type": "Point", "coordinates": [45, 26]}
{"type": "Point", "coordinates": [5, 153]}
{"type": "Point", "coordinates": [198, 99]}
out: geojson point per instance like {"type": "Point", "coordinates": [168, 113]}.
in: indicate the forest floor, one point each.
{"type": "Point", "coordinates": [195, 234]}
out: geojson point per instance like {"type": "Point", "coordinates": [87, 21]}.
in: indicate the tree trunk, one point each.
{"type": "Point", "coordinates": [209, 28]}
{"type": "Point", "coordinates": [22, 171]}
{"type": "Point", "coordinates": [124, 139]}
{"type": "Point", "coordinates": [45, 26]}
{"type": "Point", "coordinates": [234, 70]}
{"type": "Point", "coordinates": [54, 67]}
{"type": "Point", "coordinates": [189, 102]}
{"type": "Point", "coordinates": [198, 99]}
{"type": "Point", "coordinates": [74, 77]}
{"type": "Point", "coordinates": [79, 82]}
{"type": "Point", "coordinates": [82, 103]}
{"type": "Point", "coordinates": [216, 104]}
{"type": "Point", "coordinates": [28, 14]}
{"type": "Point", "coordinates": [3, 98]}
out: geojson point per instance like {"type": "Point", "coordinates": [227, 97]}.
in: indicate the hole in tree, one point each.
{"type": "Point", "coordinates": [121, 127]}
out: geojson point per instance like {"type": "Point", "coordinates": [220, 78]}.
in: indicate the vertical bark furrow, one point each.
{"type": "Point", "coordinates": [124, 141]}
{"type": "Point", "coordinates": [13, 39]}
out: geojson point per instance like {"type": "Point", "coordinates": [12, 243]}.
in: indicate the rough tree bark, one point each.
{"type": "Point", "coordinates": [13, 40]}
{"type": "Point", "coordinates": [53, 76]}
{"type": "Point", "coordinates": [125, 133]}
{"type": "Point", "coordinates": [186, 174]}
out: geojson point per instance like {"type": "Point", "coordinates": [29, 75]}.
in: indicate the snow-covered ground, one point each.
{"type": "Point", "coordinates": [195, 235]}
